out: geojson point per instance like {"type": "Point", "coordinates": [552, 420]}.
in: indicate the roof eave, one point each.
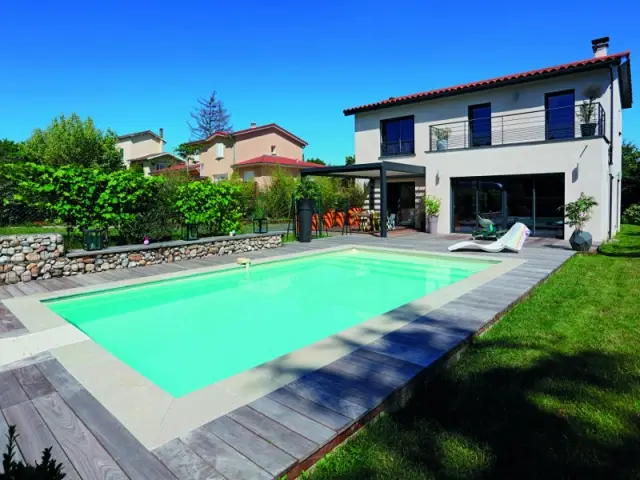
{"type": "Point", "coordinates": [542, 76]}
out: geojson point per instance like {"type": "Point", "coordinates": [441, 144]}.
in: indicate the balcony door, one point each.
{"type": "Point", "coordinates": [480, 125]}
{"type": "Point", "coordinates": [397, 135]}
{"type": "Point", "coordinates": [560, 110]}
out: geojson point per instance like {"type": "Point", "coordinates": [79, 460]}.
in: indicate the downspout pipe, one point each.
{"type": "Point", "coordinates": [610, 150]}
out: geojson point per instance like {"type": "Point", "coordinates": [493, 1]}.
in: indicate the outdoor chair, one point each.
{"type": "Point", "coordinates": [513, 241]}
{"type": "Point", "coordinates": [487, 231]}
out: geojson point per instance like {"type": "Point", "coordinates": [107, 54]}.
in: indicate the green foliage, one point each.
{"type": "Point", "coordinates": [10, 150]}
{"type": "Point", "coordinates": [306, 188]}
{"type": "Point", "coordinates": [630, 174]}
{"type": "Point", "coordinates": [632, 215]}
{"type": "Point", "coordinates": [578, 213]}
{"type": "Point", "coordinates": [277, 198]}
{"type": "Point", "coordinates": [73, 141]}
{"type": "Point", "coordinates": [47, 469]}
{"type": "Point", "coordinates": [350, 160]}
{"type": "Point", "coordinates": [207, 203]}
{"type": "Point", "coordinates": [187, 150]}
{"type": "Point", "coordinates": [586, 111]}
{"type": "Point", "coordinates": [249, 193]}
{"type": "Point", "coordinates": [442, 133]}
{"type": "Point", "coordinates": [329, 191]}
{"type": "Point", "coordinates": [432, 205]}
{"type": "Point", "coordinates": [353, 194]}
{"type": "Point", "coordinates": [316, 161]}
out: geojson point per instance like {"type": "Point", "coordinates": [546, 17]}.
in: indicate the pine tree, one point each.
{"type": "Point", "coordinates": [210, 116]}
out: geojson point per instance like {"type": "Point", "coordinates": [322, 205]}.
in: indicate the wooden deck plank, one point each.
{"type": "Point", "coordinates": [33, 382]}
{"type": "Point", "coordinates": [224, 459]}
{"type": "Point", "coordinates": [184, 463]}
{"type": "Point", "coordinates": [293, 420]}
{"type": "Point", "coordinates": [13, 291]}
{"type": "Point", "coordinates": [11, 392]}
{"type": "Point", "coordinates": [34, 436]}
{"type": "Point", "coordinates": [370, 365]}
{"type": "Point", "coordinates": [313, 410]}
{"type": "Point", "coordinates": [280, 436]}
{"type": "Point", "coordinates": [85, 453]}
{"type": "Point", "coordinates": [26, 288]}
{"type": "Point", "coordinates": [364, 370]}
{"type": "Point", "coordinates": [318, 394]}
{"type": "Point", "coordinates": [132, 456]}
{"type": "Point", "coordinates": [4, 293]}
{"type": "Point", "coordinates": [4, 431]}
{"type": "Point", "coordinates": [255, 448]}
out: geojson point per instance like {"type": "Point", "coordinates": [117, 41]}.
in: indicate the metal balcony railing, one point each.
{"type": "Point", "coordinates": [389, 149]}
{"type": "Point", "coordinates": [534, 126]}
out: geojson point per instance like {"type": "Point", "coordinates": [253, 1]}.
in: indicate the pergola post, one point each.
{"type": "Point", "coordinates": [372, 194]}
{"type": "Point", "coordinates": [383, 201]}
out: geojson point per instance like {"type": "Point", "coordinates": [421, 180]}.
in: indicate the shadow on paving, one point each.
{"type": "Point", "coordinates": [562, 417]}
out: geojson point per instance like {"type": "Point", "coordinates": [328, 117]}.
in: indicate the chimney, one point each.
{"type": "Point", "coordinates": [161, 132]}
{"type": "Point", "coordinates": [599, 46]}
{"type": "Point", "coordinates": [253, 124]}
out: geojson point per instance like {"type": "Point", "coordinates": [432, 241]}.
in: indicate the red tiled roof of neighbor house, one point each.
{"type": "Point", "coordinates": [492, 82]}
{"type": "Point", "coordinates": [245, 131]}
{"type": "Point", "coordinates": [151, 156]}
{"type": "Point", "coordinates": [276, 160]}
{"type": "Point", "coordinates": [178, 168]}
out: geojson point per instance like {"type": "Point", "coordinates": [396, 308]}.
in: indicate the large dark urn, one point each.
{"type": "Point", "coordinates": [305, 218]}
{"type": "Point", "coordinates": [580, 241]}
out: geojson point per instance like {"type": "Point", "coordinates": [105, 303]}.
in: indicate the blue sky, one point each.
{"type": "Point", "coordinates": [141, 65]}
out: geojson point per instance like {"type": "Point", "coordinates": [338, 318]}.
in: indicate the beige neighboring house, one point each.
{"type": "Point", "coordinates": [147, 150]}
{"type": "Point", "coordinates": [253, 152]}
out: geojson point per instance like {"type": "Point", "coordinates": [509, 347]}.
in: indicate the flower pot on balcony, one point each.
{"type": "Point", "coordinates": [442, 145]}
{"type": "Point", "coordinates": [580, 241]}
{"type": "Point", "coordinates": [588, 129]}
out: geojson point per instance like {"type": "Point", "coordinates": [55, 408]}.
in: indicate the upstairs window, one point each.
{"type": "Point", "coordinates": [480, 125]}
{"type": "Point", "coordinates": [397, 136]}
{"type": "Point", "coordinates": [560, 111]}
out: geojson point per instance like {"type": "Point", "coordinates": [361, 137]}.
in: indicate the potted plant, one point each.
{"type": "Point", "coordinates": [442, 138]}
{"type": "Point", "coordinates": [306, 193]}
{"type": "Point", "coordinates": [432, 211]}
{"type": "Point", "coordinates": [578, 213]}
{"type": "Point", "coordinates": [586, 112]}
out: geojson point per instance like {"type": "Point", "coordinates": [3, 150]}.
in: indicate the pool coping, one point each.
{"type": "Point", "coordinates": [152, 415]}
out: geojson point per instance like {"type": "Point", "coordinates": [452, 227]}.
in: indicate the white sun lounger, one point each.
{"type": "Point", "coordinates": [512, 240]}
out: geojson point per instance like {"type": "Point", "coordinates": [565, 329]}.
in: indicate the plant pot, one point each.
{"type": "Point", "coordinates": [581, 241]}
{"type": "Point", "coordinates": [588, 129]}
{"type": "Point", "coordinates": [442, 144]}
{"type": "Point", "coordinates": [432, 224]}
{"type": "Point", "coordinates": [305, 217]}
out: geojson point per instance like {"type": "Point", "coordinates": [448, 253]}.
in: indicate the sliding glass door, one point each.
{"type": "Point", "coordinates": [529, 199]}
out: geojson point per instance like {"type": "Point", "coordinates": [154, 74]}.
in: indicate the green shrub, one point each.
{"type": "Point", "coordinates": [210, 204]}
{"type": "Point", "coordinates": [632, 215]}
{"type": "Point", "coordinates": [307, 188]}
{"type": "Point", "coordinates": [352, 195]}
{"type": "Point", "coordinates": [432, 205]}
{"type": "Point", "coordinates": [277, 196]}
{"type": "Point", "coordinates": [47, 469]}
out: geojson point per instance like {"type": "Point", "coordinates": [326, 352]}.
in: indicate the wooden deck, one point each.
{"type": "Point", "coordinates": [285, 431]}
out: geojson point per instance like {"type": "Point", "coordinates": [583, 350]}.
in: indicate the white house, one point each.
{"type": "Point", "coordinates": [513, 148]}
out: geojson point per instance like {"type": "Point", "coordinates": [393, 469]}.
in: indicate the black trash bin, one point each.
{"type": "Point", "coordinates": [305, 218]}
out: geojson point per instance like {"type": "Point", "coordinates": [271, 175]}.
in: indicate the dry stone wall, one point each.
{"type": "Point", "coordinates": [24, 258]}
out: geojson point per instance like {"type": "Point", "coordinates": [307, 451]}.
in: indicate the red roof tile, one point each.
{"type": "Point", "coordinates": [276, 160]}
{"type": "Point", "coordinates": [237, 133]}
{"type": "Point", "coordinates": [180, 167]}
{"type": "Point", "coordinates": [568, 67]}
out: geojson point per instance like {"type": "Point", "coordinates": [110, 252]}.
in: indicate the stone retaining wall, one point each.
{"type": "Point", "coordinates": [40, 257]}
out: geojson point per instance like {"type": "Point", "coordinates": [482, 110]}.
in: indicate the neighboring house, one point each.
{"type": "Point", "coordinates": [513, 148]}
{"type": "Point", "coordinates": [146, 149]}
{"type": "Point", "coordinates": [253, 152]}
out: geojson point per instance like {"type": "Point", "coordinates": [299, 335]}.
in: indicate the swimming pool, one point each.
{"type": "Point", "coordinates": [187, 333]}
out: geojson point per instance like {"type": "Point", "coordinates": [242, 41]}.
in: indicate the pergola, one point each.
{"type": "Point", "coordinates": [379, 171]}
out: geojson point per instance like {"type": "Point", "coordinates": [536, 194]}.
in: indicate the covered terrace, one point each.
{"type": "Point", "coordinates": [376, 172]}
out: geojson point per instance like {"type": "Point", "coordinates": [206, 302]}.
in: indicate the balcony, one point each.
{"type": "Point", "coordinates": [533, 126]}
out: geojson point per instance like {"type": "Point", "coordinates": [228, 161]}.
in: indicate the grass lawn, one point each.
{"type": "Point", "coordinates": [552, 391]}
{"type": "Point", "coordinates": [35, 229]}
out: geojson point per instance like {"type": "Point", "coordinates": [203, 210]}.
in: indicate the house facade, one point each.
{"type": "Point", "coordinates": [146, 149]}
{"type": "Point", "coordinates": [253, 152]}
{"type": "Point", "coordinates": [511, 149]}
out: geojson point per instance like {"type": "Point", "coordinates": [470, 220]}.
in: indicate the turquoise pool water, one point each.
{"type": "Point", "coordinates": [187, 333]}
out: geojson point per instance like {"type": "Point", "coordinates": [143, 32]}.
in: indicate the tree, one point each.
{"type": "Point", "coordinates": [630, 174]}
{"type": "Point", "coordinates": [210, 116]}
{"type": "Point", "coordinates": [10, 150]}
{"type": "Point", "coordinates": [316, 161]}
{"type": "Point", "coordinates": [73, 141]}
{"type": "Point", "coordinates": [350, 160]}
